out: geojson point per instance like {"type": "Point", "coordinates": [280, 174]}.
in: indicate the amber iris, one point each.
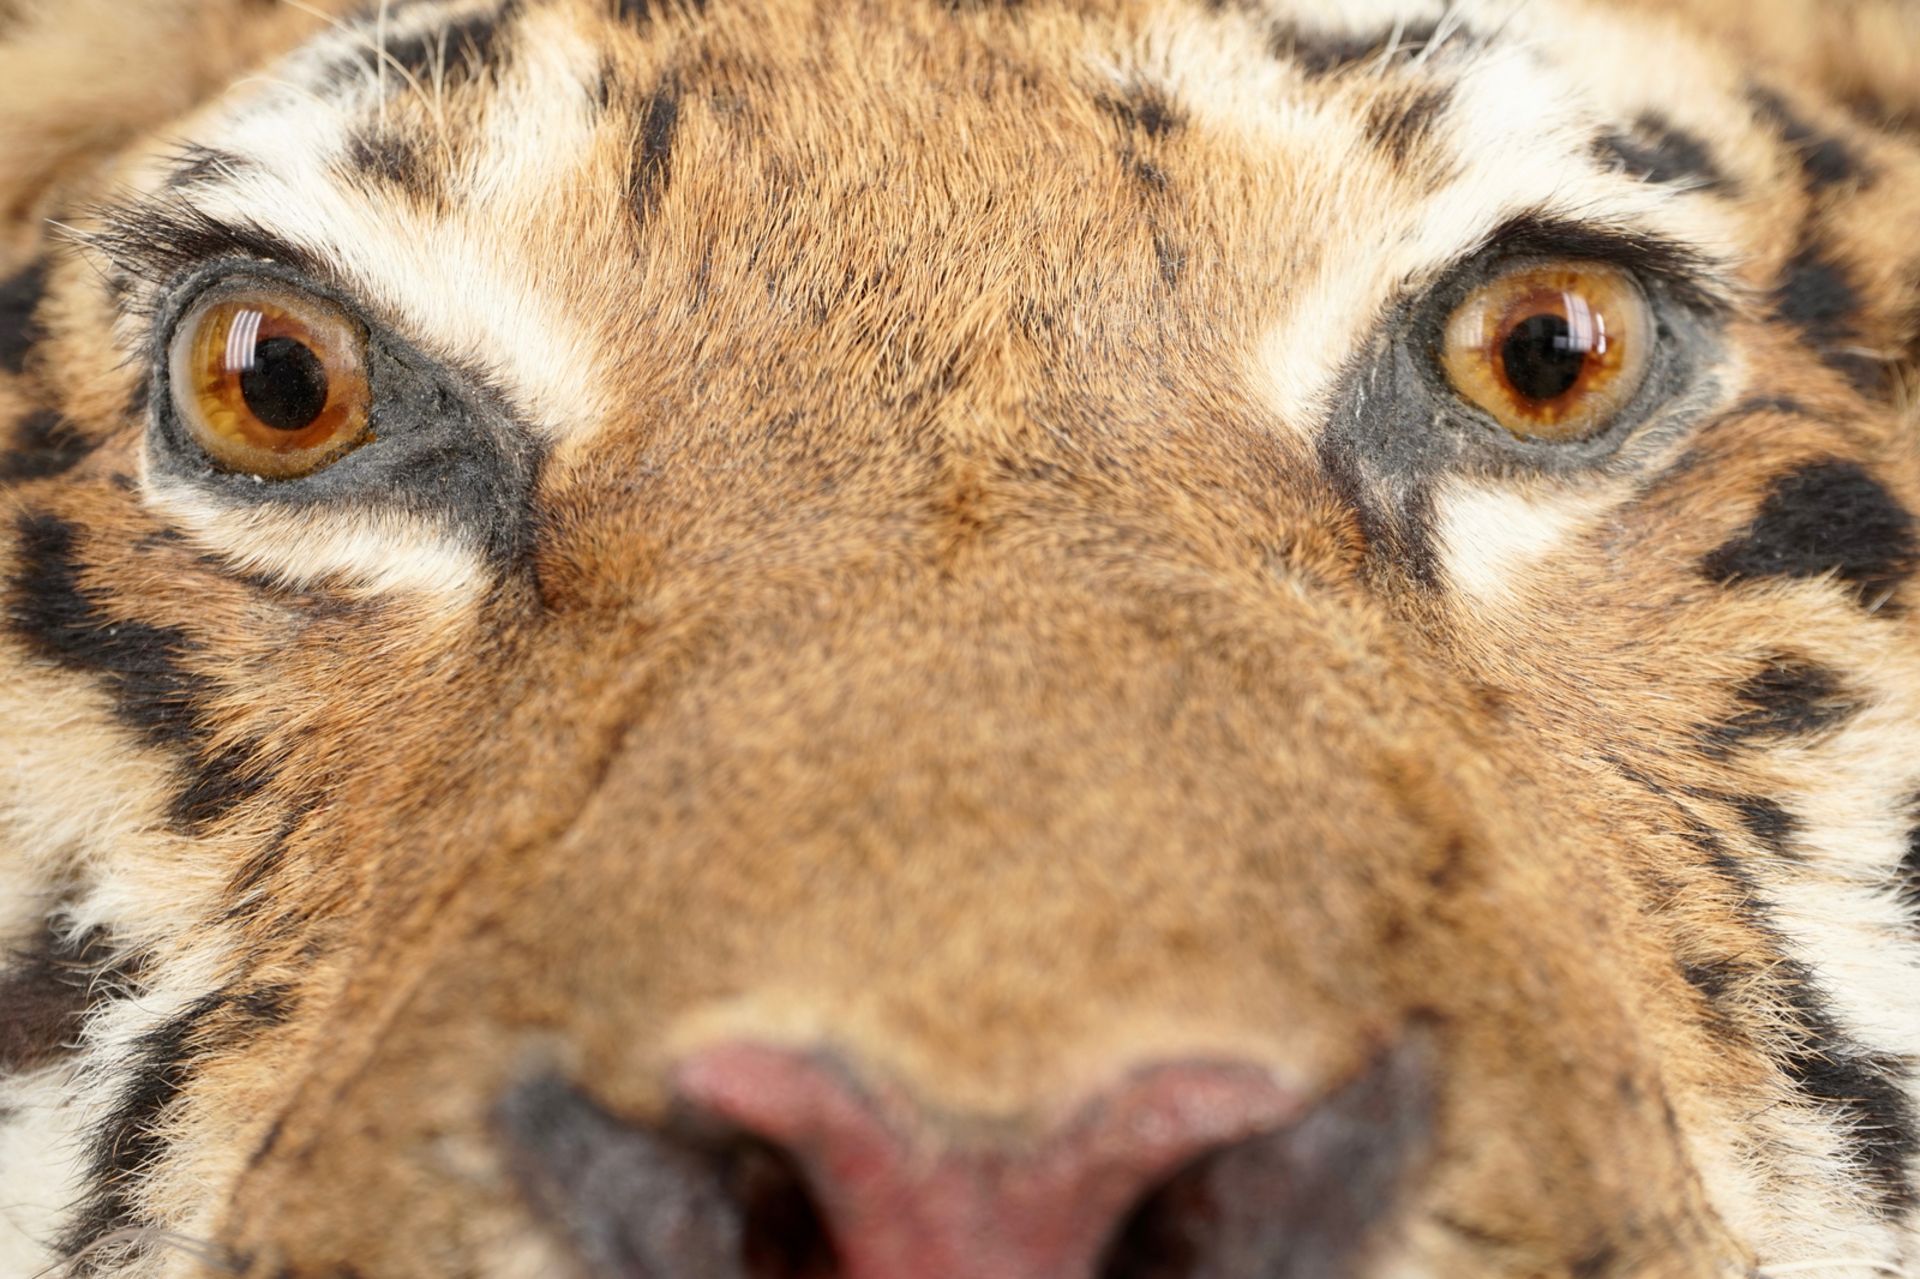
{"type": "Point", "coordinates": [1551, 351]}
{"type": "Point", "coordinates": [270, 381]}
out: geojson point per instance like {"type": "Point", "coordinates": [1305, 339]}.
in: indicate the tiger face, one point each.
{"type": "Point", "coordinates": [796, 639]}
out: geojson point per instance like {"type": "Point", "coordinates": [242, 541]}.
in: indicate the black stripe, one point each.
{"type": "Point", "coordinates": [1826, 517]}
{"type": "Point", "coordinates": [1769, 404]}
{"type": "Point", "coordinates": [1148, 174]}
{"type": "Point", "coordinates": [1657, 150]}
{"type": "Point", "coordinates": [266, 859]}
{"type": "Point", "coordinates": [198, 166]}
{"type": "Point", "coordinates": [1399, 124]}
{"type": "Point", "coordinates": [128, 1144]}
{"type": "Point", "coordinates": [455, 54]}
{"type": "Point", "coordinates": [653, 165]}
{"type": "Point", "coordinates": [1865, 1087]}
{"type": "Point", "coordinates": [1816, 295]}
{"type": "Point", "coordinates": [266, 1006]}
{"type": "Point", "coordinates": [1144, 109]}
{"type": "Point", "coordinates": [20, 296]}
{"type": "Point", "coordinates": [1744, 898]}
{"type": "Point", "coordinates": [1789, 697]}
{"type": "Point", "coordinates": [141, 665]}
{"type": "Point", "coordinates": [60, 621]}
{"type": "Point", "coordinates": [43, 445]}
{"type": "Point", "coordinates": [1826, 161]}
{"type": "Point", "coordinates": [1322, 53]}
{"type": "Point", "coordinates": [642, 13]}
{"type": "Point", "coordinates": [390, 158]}
{"type": "Point", "coordinates": [45, 993]}
{"type": "Point", "coordinates": [1767, 820]}
{"type": "Point", "coordinates": [1635, 775]}
{"type": "Point", "coordinates": [1715, 979]}
{"type": "Point", "coordinates": [219, 782]}
{"type": "Point", "coordinates": [1598, 1262]}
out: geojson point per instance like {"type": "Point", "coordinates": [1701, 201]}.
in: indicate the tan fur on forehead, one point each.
{"type": "Point", "coordinates": [1864, 53]}
{"type": "Point", "coordinates": [85, 76]}
{"type": "Point", "coordinates": [961, 592]}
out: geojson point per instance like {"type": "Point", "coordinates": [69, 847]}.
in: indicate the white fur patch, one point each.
{"type": "Point", "coordinates": [1841, 914]}
{"type": "Point", "coordinates": [39, 1168]}
{"type": "Point", "coordinates": [381, 551]}
{"type": "Point", "coordinates": [1490, 539]}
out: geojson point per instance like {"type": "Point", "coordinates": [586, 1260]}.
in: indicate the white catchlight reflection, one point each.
{"type": "Point", "coordinates": [242, 340]}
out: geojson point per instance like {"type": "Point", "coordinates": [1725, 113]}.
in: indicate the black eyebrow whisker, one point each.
{"type": "Point", "coordinates": [1688, 274]}
{"type": "Point", "coordinates": [81, 241]}
{"type": "Point", "coordinates": [156, 239]}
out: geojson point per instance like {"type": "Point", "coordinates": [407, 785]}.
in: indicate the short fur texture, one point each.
{"type": "Point", "coordinates": [946, 544]}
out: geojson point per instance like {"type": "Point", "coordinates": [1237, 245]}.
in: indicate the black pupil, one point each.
{"type": "Point", "coordinates": [287, 385]}
{"type": "Point", "coordinates": [1542, 357]}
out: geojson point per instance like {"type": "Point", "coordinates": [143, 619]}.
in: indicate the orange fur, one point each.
{"type": "Point", "coordinates": [940, 636]}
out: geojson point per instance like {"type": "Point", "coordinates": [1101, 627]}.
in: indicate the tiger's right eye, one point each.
{"type": "Point", "coordinates": [270, 381]}
{"type": "Point", "coordinates": [1552, 351]}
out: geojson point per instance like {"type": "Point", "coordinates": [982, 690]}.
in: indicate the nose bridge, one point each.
{"type": "Point", "coordinates": [982, 822]}
{"type": "Point", "coordinates": [1001, 828]}
{"type": "Point", "coordinates": [1001, 675]}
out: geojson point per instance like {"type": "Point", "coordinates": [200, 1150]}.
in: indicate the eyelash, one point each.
{"type": "Point", "coordinates": [1676, 270]}
{"type": "Point", "coordinates": [153, 247]}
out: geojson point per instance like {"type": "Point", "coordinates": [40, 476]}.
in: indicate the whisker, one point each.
{"type": "Point", "coordinates": [377, 45]}
{"type": "Point", "coordinates": [210, 1255]}
{"type": "Point", "coordinates": [1450, 24]}
{"type": "Point", "coordinates": [1385, 60]}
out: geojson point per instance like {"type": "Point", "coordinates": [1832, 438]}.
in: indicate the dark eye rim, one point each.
{"type": "Point", "coordinates": [165, 429]}
{"type": "Point", "coordinates": [445, 443]}
{"type": "Point", "coordinates": [1685, 314]}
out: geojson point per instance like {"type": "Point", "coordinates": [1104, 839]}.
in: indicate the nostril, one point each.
{"type": "Point", "coordinates": [1184, 1170]}
{"type": "Point", "coordinates": [638, 1202]}
{"type": "Point", "coordinates": [777, 1164]}
{"type": "Point", "coordinates": [1303, 1202]}
{"type": "Point", "coordinates": [1234, 1215]}
{"type": "Point", "coordinates": [783, 1235]}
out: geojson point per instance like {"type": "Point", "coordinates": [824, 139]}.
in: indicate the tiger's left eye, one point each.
{"type": "Point", "coordinates": [270, 381]}
{"type": "Point", "coordinates": [1551, 351]}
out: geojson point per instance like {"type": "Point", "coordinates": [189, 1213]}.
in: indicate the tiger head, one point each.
{"type": "Point", "coordinates": [988, 639]}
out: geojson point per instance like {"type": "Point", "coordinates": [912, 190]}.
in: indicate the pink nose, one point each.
{"type": "Point", "coordinates": [781, 1165]}
{"type": "Point", "coordinates": [895, 1210]}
